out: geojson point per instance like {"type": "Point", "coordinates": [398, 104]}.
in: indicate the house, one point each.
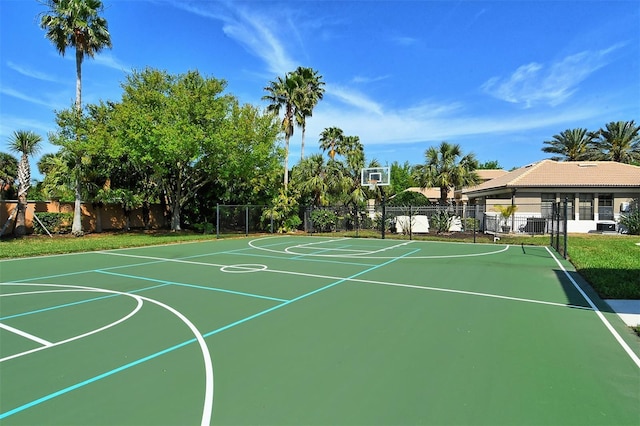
{"type": "Point", "coordinates": [433, 194]}
{"type": "Point", "coordinates": [596, 191]}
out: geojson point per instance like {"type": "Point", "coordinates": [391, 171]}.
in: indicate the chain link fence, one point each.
{"type": "Point", "coordinates": [534, 219]}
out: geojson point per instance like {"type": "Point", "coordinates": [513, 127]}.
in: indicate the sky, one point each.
{"type": "Point", "coordinates": [496, 77]}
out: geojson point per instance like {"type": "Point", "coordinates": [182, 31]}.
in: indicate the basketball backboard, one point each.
{"type": "Point", "coordinates": [375, 176]}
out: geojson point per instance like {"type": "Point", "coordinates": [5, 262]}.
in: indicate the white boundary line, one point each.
{"type": "Point", "coordinates": [208, 395]}
{"type": "Point", "coordinates": [607, 324]}
{"type": "Point", "coordinates": [24, 334]}
{"type": "Point", "coordinates": [290, 250]}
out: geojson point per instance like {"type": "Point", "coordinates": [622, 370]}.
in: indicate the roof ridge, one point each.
{"type": "Point", "coordinates": [528, 169]}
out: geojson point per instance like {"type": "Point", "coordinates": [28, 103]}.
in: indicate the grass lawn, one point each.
{"type": "Point", "coordinates": [610, 263]}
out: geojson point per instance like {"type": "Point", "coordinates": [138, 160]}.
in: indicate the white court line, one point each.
{"type": "Point", "coordinates": [615, 334]}
{"type": "Point", "coordinates": [80, 336]}
{"type": "Point", "coordinates": [367, 255]}
{"type": "Point", "coordinates": [444, 290]}
{"type": "Point", "coordinates": [43, 342]}
{"type": "Point", "coordinates": [208, 396]}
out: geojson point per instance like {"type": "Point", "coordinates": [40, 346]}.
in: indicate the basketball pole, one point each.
{"type": "Point", "coordinates": [384, 211]}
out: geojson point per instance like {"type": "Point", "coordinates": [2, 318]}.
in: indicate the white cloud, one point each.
{"type": "Point", "coordinates": [359, 79]}
{"type": "Point", "coordinates": [28, 72]}
{"type": "Point", "coordinates": [41, 100]}
{"type": "Point", "coordinates": [9, 124]}
{"type": "Point", "coordinates": [106, 59]}
{"type": "Point", "coordinates": [354, 98]}
{"type": "Point", "coordinates": [404, 40]}
{"type": "Point", "coordinates": [255, 34]}
{"type": "Point", "coordinates": [553, 84]}
{"type": "Point", "coordinates": [433, 122]}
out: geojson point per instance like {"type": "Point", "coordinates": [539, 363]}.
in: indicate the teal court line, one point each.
{"type": "Point", "coordinates": [221, 290]}
{"type": "Point", "coordinates": [66, 305]}
{"type": "Point", "coordinates": [185, 343]}
{"type": "Point", "coordinates": [104, 270]}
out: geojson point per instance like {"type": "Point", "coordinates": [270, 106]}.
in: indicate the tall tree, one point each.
{"type": "Point", "coordinates": [310, 93]}
{"type": "Point", "coordinates": [311, 176]}
{"type": "Point", "coordinates": [571, 145]}
{"type": "Point", "coordinates": [77, 24]}
{"type": "Point", "coordinates": [282, 93]}
{"type": "Point", "coordinates": [619, 141]}
{"type": "Point", "coordinates": [170, 124]}
{"type": "Point", "coordinates": [79, 147]}
{"type": "Point", "coordinates": [330, 139]}
{"type": "Point", "coordinates": [446, 168]}
{"type": "Point", "coordinates": [490, 165]}
{"type": "Point", "coordinates": [27, 144]}
{"type": "Point", "coordinates": [401, 177]}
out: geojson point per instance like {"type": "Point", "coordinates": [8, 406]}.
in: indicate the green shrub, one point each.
{"type": "Point", "coordinates": [631, 220]}
{"type": "Point", "coordinates": [323, 220]}
{"type": "Point", "coordinates": [56, 223]}
{"type": "Point", "coordinates": [440, 221]}
{"type": "Point", "coordinates": [470, 223]}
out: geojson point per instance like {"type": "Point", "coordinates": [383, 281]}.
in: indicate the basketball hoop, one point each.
{"type": "Point", "coordinates": [373, 184]}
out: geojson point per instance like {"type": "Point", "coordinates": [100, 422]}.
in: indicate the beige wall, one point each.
{"type": "Point", "coordinates": [111, 217]}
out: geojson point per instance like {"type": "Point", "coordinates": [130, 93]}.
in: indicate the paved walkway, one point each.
{"type": "Point", "coordinates": [628, 310]}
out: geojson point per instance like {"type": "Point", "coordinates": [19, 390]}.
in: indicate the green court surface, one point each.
{"type": "Point", "coordinates": [311, 331]}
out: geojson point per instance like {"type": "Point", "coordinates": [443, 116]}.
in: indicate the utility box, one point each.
{"type": "Point", "coordinates": [606, 226]}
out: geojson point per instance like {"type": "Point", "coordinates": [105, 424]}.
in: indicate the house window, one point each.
{"type": "Point", "coordinates": [586, 207]}
{"type": "Point", "coordinates": [546, 208]}
{"type": "Point", "coordinates": [605, 207]}
{"type": "Point", "coordinates": [571, 198]}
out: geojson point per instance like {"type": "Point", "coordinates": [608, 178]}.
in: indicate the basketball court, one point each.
{"type": "Point", "coordinates": [311, 330]}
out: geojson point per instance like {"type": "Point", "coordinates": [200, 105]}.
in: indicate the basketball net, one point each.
{"type": "Point", "coordinates": [373, 184]}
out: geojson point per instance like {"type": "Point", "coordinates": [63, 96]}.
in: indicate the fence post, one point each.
{"type": "Point", "coordinates": [566, 219]}
{"type": "Point", "coordinates": [217, 220]}
{"type": "Point", "coordinates": [272, 220]}
{"type": "Point", "coordinates": [410, 222]}
{"type": "Point", "coordinates": [246, 221]}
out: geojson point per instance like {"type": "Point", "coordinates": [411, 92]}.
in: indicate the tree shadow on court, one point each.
{"type": "Point", "coordinates": [597, 297]}
{"type": "Point", "coordinates": [574, 297]}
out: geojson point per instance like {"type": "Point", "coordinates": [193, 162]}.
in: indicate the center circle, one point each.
{"type": "Point", "coordinates": [243, 268]}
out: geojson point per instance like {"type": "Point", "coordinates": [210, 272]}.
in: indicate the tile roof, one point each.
{"type": "Point", "coordinates": [486, 174]}
{"type": "Point", "coordinates": [548, 173]}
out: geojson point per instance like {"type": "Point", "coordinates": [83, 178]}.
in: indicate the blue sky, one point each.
{"type": "Point", "coordinates": [496, 77]}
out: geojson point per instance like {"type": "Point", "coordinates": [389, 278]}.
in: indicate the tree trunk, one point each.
{"type": "Point", "coordinates": [444, 192]}
{"type": "Point", "coordinates": [79, 56]}
{"type": "Point", "coordinates": [286, 162]}
{"type": "Point", "coordinates": [302, 144]}
{"type": "Point", "coordinates": [76, 227]}
{"type": "Point", "coordinates": [21, 223]}
{"type": "Point", "coordinates": [175, 216]}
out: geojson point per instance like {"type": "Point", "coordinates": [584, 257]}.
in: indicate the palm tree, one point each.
{"type": "Point", "coordinates": [330, 138]}
{"type": "Point", "coordinates": [76, 23]}
{"type": "Point", "coordinates": [282, 93]}
{"type": "Point", "coordinates": [572, 145]}
{"type": "Point", "coordinates": [27, 144]}
{"type": "Point", "coordinates": [619, 141]}
{"type": "Point", "coordinates": [311, 177]}
{"type": "Point", "coordinates": [443, 169]}
{"type": "Point", "coordinates": [308, 97]}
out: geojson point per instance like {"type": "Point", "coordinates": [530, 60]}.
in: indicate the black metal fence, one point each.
{"type": "Point", "coordinates": [558, 227]}
{"type": "Point", "coordinates": [243, 219]}
{"type": "Point", "coordinates": [404, 220]}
